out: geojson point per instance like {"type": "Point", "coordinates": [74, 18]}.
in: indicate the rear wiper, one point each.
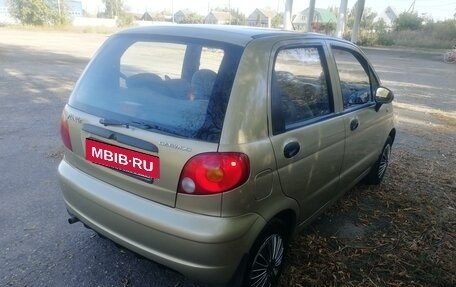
{"type": "Point", "coordinates": [137, 124]}
{"type": "Point", "coordinates": [112, 122]}
{"type": "Point", "coordinates": [148, 126]}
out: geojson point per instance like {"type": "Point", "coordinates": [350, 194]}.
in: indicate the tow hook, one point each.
{"type": "Point", "coordinates": [73, 220]}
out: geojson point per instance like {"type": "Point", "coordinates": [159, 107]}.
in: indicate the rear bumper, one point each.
{"type": "Point", "coordinates": [205, 248]}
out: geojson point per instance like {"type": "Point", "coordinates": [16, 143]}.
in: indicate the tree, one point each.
{"type": "Point", "coordinates": [237, 17]}
{"type": "Point", "coordinates": [277, 21]}
{"type": "Point", "coordinates": [408, 21]}
{"type": "Point", "coordinates": [39, 12]}
{"type": "Point", "coordinates": [113, 8]}
{"type": "Point", "coordinates": [367, 20]}
{"type": "Point", "coordinates": [193, 18]}
{"type": "Point", "coordinates": [125, 19]}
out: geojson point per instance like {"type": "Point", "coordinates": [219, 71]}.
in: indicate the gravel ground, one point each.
{"type": "Point", "coordinates": [401, 233]}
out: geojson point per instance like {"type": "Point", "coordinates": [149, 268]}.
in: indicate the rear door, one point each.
{"type": "Point", "coordinates": [363, 124]}
{"type": "Point", "coordinates": [307, 135]}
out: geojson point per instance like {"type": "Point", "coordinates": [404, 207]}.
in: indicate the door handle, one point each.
{"type": "Point", "coordinates": [291, 149]}
{"type": "Point", "coordinates": [354, 124]}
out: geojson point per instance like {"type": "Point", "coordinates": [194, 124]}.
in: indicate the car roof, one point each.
{"type": "Point", "coordinates": [239, 35]}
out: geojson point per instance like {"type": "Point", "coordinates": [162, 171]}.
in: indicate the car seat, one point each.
{"type": "Point", "coordinates": [202, 83]}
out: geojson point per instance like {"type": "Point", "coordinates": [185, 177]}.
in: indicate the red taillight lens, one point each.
{"type": "Point", "coordinates": [211, 173]}
{"type": "Point", "coordinates": [65, 133]}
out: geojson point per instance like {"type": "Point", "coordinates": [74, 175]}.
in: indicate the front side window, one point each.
{"type": "Point", "coordinates": [300, 86]}
{"type": "Point", "coordinates": [176, 86]}
{"type": "Point", "coordinates": [354, 78]}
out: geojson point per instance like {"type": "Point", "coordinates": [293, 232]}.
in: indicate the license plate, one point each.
{"type": "Point", "coordinates": [123, 159]}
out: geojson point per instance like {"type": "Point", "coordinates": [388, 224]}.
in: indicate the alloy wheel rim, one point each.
{"type": "Point", "coordinates": [384, 160]}
{"type": "Point", "coordinates": [267, 263]}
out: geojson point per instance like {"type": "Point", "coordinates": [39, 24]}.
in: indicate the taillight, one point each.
{"type": "Point", "coordinates": [65, 132]}
{"type": "Point", "coordinates": [211, 173]}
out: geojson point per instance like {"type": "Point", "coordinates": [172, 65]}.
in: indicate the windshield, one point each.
{"type": "Point", "coordinates": [179, 86]}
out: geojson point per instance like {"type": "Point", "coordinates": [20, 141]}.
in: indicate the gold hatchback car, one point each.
{"type": "Point", "coordinates": [205, 147]}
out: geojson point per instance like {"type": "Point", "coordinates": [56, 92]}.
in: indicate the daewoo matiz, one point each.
{"type": "Point", "coordinates": [205, 148]}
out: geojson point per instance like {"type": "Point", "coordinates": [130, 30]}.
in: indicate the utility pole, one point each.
{"type": "Point", "coordinates": [310, 15]}
{"type": "Point", "coordinates": [172, 9]}
{"type": "Point", "coordinates": [287, 15]}
{"type": "Point", "coordinates": [229, 10]}
{"type": "Point", "coordinates": [356, 25]}
{"type": "Point", "coordinates": [341, 18]}
{"type": "Point", "coordinates": [411, 9]}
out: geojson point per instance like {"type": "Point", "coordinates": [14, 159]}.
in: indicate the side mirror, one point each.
{"type": "Point", "coordinates": [383, 96]}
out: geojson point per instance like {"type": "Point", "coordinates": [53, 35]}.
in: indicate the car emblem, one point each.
{"type": "Point", "coordinates": [175, 146]}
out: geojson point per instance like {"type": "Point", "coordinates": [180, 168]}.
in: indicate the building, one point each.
{"type": "Point", "coordinates": [181, 15]}
{"type": "Point", "coordinates": [388, 16]}
{"type": "Point", "coordinates": [261, 18]}
{"type": "Point", "coordinates": [75, 9]}
{"type": "Point", "coordinates": [147, 16]}
{"type": "Point", "coordinates": [322, 18]}
{"type": "Point", "coordinates": [217, 17]}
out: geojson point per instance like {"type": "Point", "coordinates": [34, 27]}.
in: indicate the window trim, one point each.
{"type": "Point", "coordinates": [276, 113]}
{"type": "Point", "coordinates": [116, 46]}
{"type": "Point", "coordinates": [367, 69]}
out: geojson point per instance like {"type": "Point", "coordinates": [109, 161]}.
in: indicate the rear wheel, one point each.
{"type": "Point", "coordinates": [378, 170]}
{"type": "Point", "coordinates": [267, 256]}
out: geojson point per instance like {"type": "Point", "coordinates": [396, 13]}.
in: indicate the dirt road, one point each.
{"type": "Point", "coordinates": [401, 233]}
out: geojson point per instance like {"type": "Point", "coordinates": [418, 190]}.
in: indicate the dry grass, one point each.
{"type": "Point", "coordinates": [68, 28]}
{"type": "Point", "coordinates": [408, 238]}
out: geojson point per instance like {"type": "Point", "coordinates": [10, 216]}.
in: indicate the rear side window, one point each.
{"type": "Point", "coordinates": [175, 86]}
{"type": "Point", "coordinates": [211, 58]}
{"type": "Point", "coordinates": [354, 78]}
{"type": "Point", "coordinates": [300, 87]}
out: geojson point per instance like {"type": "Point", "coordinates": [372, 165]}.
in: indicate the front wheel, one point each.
{"type": "Point", "coordinates": [267, 256]}
{"type": "Point", "coordinates": [378, 170]}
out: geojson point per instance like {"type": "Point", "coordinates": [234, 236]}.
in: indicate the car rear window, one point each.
{"type": "Point", "coordinates": [178, 86]}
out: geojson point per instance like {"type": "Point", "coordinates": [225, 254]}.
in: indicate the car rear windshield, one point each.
{"type": "Point", "coordinates": [177, 86]}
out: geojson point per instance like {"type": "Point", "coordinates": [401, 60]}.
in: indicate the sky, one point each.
{"type": "Point", "coordinates": [437, 9]}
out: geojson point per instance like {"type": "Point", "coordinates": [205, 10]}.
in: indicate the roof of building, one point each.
{"type": "Point", "coordinates": [268, 13]}
{"type": "Point", "coordinates": [322, 15]}
{"type": "Point", "coordinates": [220, 15]}
{"type": "Point", "coordinates": [184, 12]}
{"type": "Point", "coordinates": [326, 16]}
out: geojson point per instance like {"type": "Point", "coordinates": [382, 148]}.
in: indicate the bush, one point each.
{"type": "Point", "coordinates": [421, 39]}
{"type": "Point", "coordinates": [443, 31]}
{"type": "Point", "coordinates": [408, 21]}
{"type": "Point", "coordinates": [367, 38]}
{"type": "Point", "coordinates": [38, 12]}
{"type": "Point", "coordinates": [125, 20]}
{"type": "Point", "coordinates": [385, 39]}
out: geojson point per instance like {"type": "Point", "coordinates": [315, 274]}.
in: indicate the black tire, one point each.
{"type": "Point", "coordinates": [378, 170]}
{"type": "Point", "coordinates": [266, 257]}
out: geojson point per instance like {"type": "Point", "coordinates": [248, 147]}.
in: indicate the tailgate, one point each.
{"type": "Point", "coordinates": [142, 162]}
